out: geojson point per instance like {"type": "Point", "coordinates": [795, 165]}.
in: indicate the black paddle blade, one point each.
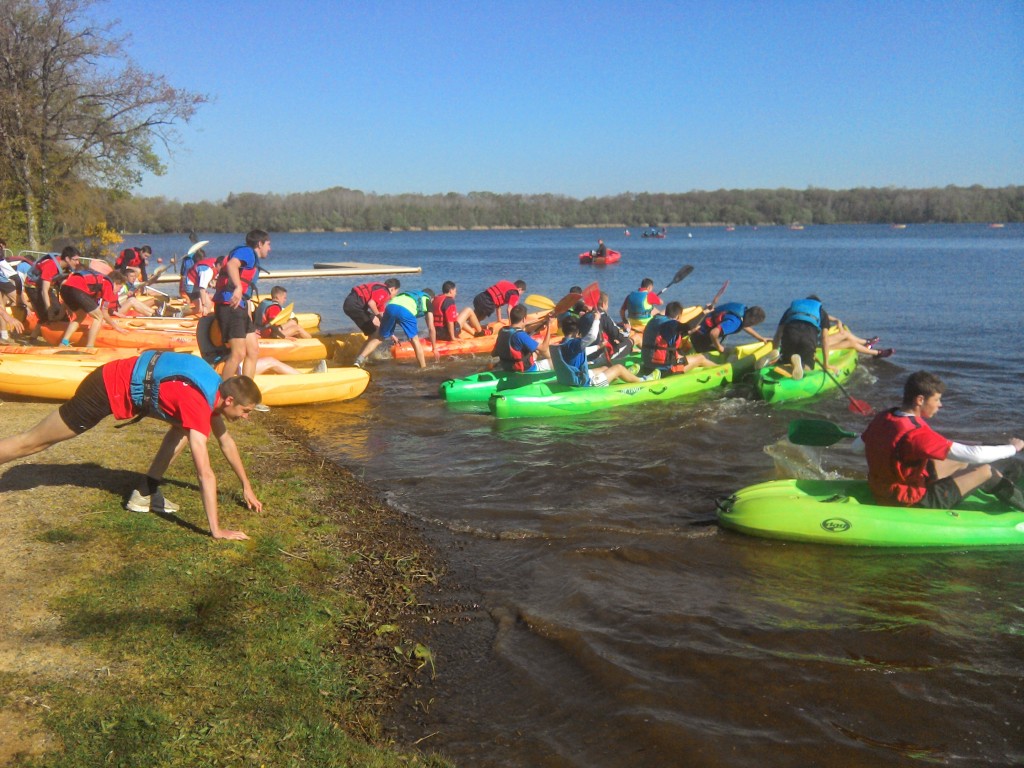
{"type": "Point", "coordinates": [682, 274]}
{"type": "Point", "coordinates": [816, 432]}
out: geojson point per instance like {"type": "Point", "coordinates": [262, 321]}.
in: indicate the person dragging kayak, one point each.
{"type": "Point", "coordinates": [402, 312]}
{"type": "Point", "coordinates": [501, 294]}
{"type": "Point", "coordinates": [365, 304]}
{"type": "Point", "coordinates": [178, 388]}
{"type": "Point", "coordinates": [910, 465]}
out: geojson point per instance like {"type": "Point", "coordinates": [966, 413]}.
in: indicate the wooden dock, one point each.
{"type": "Point", "coordinates": [339, 269]}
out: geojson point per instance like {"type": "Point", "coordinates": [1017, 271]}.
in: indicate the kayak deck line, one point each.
{"type": "Point", "coordinates": [339, 269]}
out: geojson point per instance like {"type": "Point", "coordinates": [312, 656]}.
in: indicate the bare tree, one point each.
{"type": "Point", "coordinates": [75, 109]}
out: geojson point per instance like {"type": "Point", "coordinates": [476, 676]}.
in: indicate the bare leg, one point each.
{"type": "Point", "coordinates": [94, 328]}
{"type": "Point", "coordinates": [174, 443]}
{"type": "Point", "coordinates": [252, 354]}
{"type": "Point", "coordinates": [616, 372]}
{"type": "Point", "coordinates": [467, 319]}
{"type": "Point", "coordinates": [236, 354]}
{"type": "Point", "coordinates": [73, 322]}
{"type": "Point", "coordinates": [48, 432]}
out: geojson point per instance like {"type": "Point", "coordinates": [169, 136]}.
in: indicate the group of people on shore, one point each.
{"type": "Point", "coordinates": [908, 463]}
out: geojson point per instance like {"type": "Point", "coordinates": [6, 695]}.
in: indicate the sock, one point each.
{"type": "Point", "coordinates": [152, 485]}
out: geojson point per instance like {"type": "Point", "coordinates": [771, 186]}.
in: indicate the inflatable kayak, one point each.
{"type": "Point", "coordinates": [843, 512]}
{"type": "Point", "coordinates": [776, 385]}
{"type": "Point", "coordinates": [551, 399]}
{"type": "Point", "coordinates": [610, 257]}
{"type": "Point", "coordinates": [57, 379]}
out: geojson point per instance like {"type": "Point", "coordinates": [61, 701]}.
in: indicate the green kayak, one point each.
{"type": "Point", "coordinates": [552, 399]}
{"type": "Point", "coordinates": [478, 387]}
{"type": "Point", "coordinates": [778, 387]}
{"type": "Point", "coordinates": [844, 512]}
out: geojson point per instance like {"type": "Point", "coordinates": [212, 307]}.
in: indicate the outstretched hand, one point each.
{"type": "Point", "coordinates": [230, 535]}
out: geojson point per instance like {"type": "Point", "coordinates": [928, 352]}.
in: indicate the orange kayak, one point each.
{"type": "Point", "coordinates": [466, 344]}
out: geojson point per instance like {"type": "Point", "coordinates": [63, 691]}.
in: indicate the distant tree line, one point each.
{"type": "Point", "coordinates": [339, 208]}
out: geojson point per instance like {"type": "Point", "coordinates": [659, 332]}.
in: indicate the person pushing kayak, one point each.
{"type": "Point", "coordinates": [402, 312]}
{"type": "Point", "coordinates": [365, 304]}
{"type": "Point", "coordinates": [178, 388]}
{"type": "Point", "coordinates": [910, 465]}
{"type": "Point", "coordinates": [501, 294]}
{"type": "Point", "coordinates": [724, 321]}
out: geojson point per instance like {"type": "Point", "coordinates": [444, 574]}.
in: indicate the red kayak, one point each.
{"type": "Point", "coordinates": [610, 257]}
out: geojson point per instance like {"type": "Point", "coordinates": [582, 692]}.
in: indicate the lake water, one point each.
{"type": "Point", "coordinates": [599, 615]}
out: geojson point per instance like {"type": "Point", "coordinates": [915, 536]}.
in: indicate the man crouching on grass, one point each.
{"type": "Point", "coordinates": [178, 388]}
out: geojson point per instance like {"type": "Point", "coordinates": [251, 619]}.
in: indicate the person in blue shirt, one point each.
{"type": "Point", "coordinates": [569, 359]}
{"type": "Point", "coordinates": [402, 311]}
{"type": "Point", "coordinates": [724, 321]}
{"type": "Point", "coordinates": [236, 284]}
{"type": "Point", "coordinates": [516, 349]}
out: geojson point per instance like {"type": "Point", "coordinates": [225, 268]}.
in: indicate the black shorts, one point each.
{"type": "Point", "coordinates": [234, 322]}
{"type": "Point", "coordinates": [357, 310]}
{"type": "Point", "coordinates": [76, 299]}
{"type": "Point", "coordinates": [799, 338]}
{"type": "Point", "coordinates": [483, 305]}
{"type": "Point", "coordinates": [35, 298]}
{"type": "Point", "coordinates": [88, 406]}
{"type": "Point", "coordinates": [8, 288]}
{"type": "Point", "coordinates": [442, 333]}
{"type": "Point", "coordinates": [942, 494]}
{"type": "Point", "coordinates": [701, 342]}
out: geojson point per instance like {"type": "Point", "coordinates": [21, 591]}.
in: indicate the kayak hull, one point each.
{"type": "Point", "coordinates": [611, 257]}
{"type": "Point", "coordinates": [843, 512]}
{"type": "Point", "coordinates": [551, 399]}
{"type": "Point", "coordinates": [776, 387]}
{"type": "Point", "coordinates": [466, 344]}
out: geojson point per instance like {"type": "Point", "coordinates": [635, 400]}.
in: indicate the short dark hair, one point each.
{"type": "Point", "coordinates": [517, 313]}
{"type": "Point", "coordinates": [447, 285]}
{"type": "Point", "coordinates": [70, 252]}
{"type": "Point", "coordinates": [393, 282]}
{"type": "Point", "coordinates": [575, 289]}
{"type": "Point", "coordinates": [646, 283]}
{"type": "Point", "coordinates": [673, 309]}
{"type": "Point", "coordinates": [570, 325]}
{"type": "Point", "coordinates": [277, 290]}
{"type": "Point", "coordinates": [429, 292]}
{"type": "Point", "coordinates": [146, 249]}
{"type": "Point", "coordinates": [255, 237]}
{"type": "Point", "coordinates": [921, 383]}
{"type": "Point", "coordinates": [753, 316]}
{"type": "Point", "coordinates": [521, 285]}
{"type": "Point", "coordinates": [242, 389]}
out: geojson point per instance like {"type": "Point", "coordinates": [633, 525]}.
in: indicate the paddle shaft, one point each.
{"type": "Point", "coordinates": [856, 406]}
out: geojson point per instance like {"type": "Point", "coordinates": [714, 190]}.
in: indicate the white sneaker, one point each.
{"type": "Point", "coordinates": [140, 503]}
{"type": "Point", "coordinates": [320, 367]}
{"type": "Point", "coordinates": [798, 367]}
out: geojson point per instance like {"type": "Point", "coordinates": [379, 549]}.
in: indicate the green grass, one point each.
{"type": "Point", "coordinates": [265, 653]}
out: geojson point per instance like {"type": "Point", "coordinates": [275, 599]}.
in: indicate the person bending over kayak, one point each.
{"type": "Point", "coordinates": [910, 465]}
{"type": "Point", "coordinates": [501, 294]}
{"type": "Point", "coordinates": [724, 321]}
{"type": "Point", "coordinates": [639, 306]}
{"type": "Point", "coordinates": [403, 311]}
{"type": "Point", "coordinates": [365, 304]}
{"type": "Point", "coordinates": [448, 321]}
{"type": "Point", "coordinates": [569, 360]}
{"type": "Point", "coordinates": [86, 292]}
{"type": "Point", "coordinates": [666, 339]}
{"type": "Point", "coordinates": [178, 388]}
{"type": "Point", "coordinates": [516, 349]}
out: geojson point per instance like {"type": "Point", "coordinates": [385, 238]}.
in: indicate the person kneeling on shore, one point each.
{"type": "Point", "coordinates": [178, 388]}
{"type": "Point", "coordinates": [910, 465]}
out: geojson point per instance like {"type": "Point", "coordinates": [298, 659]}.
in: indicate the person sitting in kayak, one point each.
{"type": "Point", "coordinates": [178, 388]}
{"type": "Point", "coordinates": [597, 327]}
{"type": "Point", "coordinates": [448, 321]}
{"type": "Point", "coordinates": [501, 294]}
{"type": "Point", "coordinates": [569, 361]}
{"type": "Point", "coordinates": [516, 349]}
{"type": "Point", "coordinates": [724, 321]}
{"type": "Point", "coordinates": [365, 304]}
{"type": "Point", "coordinates": [639, 306]}
{"type": "Point", "coordinates": [799, 334]}
{"type": "Point", "coordinates": [403, 311]}
{"type": "Point", "coordinates": [270, 310]}
{"type": "Point", "coordinates": [665, 342]}
{"type": "Point", "coordinates": [910, 465]}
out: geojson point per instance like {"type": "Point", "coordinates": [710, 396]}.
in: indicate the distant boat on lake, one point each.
{"type": "Point", "coordinates": [655, 233]}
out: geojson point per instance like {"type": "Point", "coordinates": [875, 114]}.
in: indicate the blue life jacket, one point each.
{"type": "Point", "coordinates": [714, 318]}
{"type": "Point", "coordinates": [261, 311]}
{"type": "Point", "coordinates": [805, 311]}
{"type": "Point", "coordinates": [637, 306]}
{"type": "Point", "coordinates": [35, 273]}
{"type": "Point", "coordinates": [573, 372]}
{"type": "Point", "coordinates": [155, 367]}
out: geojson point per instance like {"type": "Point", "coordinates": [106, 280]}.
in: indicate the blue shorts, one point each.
{"type": "Point", "coordinates": [400, 316]}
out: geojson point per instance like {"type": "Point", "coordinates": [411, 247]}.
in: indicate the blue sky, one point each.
{"type": "Point", "coordinates": [585, 98]}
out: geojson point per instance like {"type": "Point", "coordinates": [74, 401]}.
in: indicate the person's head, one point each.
{"type": "Point", "coordinates": [602, 301]}
{"type": "Point", "coordinates": [448, 288]}
{"type": "Point", "coordinates": [570, 326]}
{"type": "Point", "coordinates": [70, 255]}
{"type": "Point", "coordinates": [259, 241]}
{"type": "Point", "coordinates": [517, 314]}
{"type": "Point", "coordinates": [600, 241]}
{"type": "Point", "coordinates": [753, 316]}
{"type": "Point", "coordinates": [647, 284]}
{"type": "Point", "coordinates": [576, 289]}
{"type": "Point", "coordinates": [521, 285]}
{"type": "Point", "coordinates": [239, 395]}
{"type": "Point", "coordinates": [923, 390]}
{"type": "Point", "coordinates": [673, 310]}
{"type": "Point", "coordinates": [132, 274]}
{"type": "Point", "coordinates": [815, 297]}
{"type": "Point", "coordinates": [279, 293]}
{"type": "Point", "coordinates": [580, 307]}
{"type": "Point", "coordinates": [146, 251]}
{"type": "Point", "coordinates": [429, 292]}
{"type": "Point", "coordinates": [393, 284]}
{"type": "Point", "coordinates": [116, 276]}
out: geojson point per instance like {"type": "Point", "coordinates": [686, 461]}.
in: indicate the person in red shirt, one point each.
{"type": "Point", "coordinates": [365, 304]}
{"type": "Point", "coordinates": [38, 280]}
{"type": "Point", "coordinates": [178, 388]}
{"type": "Point", "coordinates": [270, 310]}
{"type": "Point", "coordinates": [501, 294]}
{"type": "Point", "coordinates": [911, 465]}
{"type": "Point", "coordinates": [447, 319]}
{"type": "Point", "coordinates": [86, 292]}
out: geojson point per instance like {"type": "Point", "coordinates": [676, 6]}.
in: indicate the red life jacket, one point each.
{"type": "Point", "coordinates": [514, 359]}
{"type": "Point", "coordinates": [192, 275]}
{"type": "Point", "coordinates": [438, 305]}
{"type": "Point", "coordinates": [35, 273]}
{"type": "Point", "coordinates": [247, 275]}
{"type": "Point", "coordinates": [129, 257]}
{"type": "Point", "coordinates": [87, 280]}
{"type": "Point", "coordinates": [503, 292]}
{"type": "Point", "coordinates": [893, 480]}
{"type": "Point", "coordinates": [378, 293]}
{"type": "Point", "coordinates": [656, 349]}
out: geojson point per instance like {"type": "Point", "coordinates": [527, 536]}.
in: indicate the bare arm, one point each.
{"type": "Point", "coordinates": [208, 485]}
{"type": "Point", "coordinates": [230, 451]}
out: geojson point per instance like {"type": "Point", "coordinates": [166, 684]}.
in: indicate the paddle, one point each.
{"type": "Point", "coordinates": [817, 432]}
{"type": "Point", "coordinates": [681, 275]}
{"type": "Point", "coordinates": [283, 316]}
{"type": "Point", "coordinates": [539, 302]}
{"type": "Point", "coordinates": [196, 246]}
{"type": "Point", "coordinates": [856, 406]}
{"type": "Point", "coordinates": [568, 302]}
{"type": "Point", "coordinates": [714, 301]}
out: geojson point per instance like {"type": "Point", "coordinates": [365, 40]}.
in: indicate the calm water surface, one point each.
{"type": "Point", "coordinates": [604, 619]}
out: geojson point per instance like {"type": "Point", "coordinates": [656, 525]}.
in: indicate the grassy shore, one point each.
{"type": "Point", "coordinates": [137, 640]}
